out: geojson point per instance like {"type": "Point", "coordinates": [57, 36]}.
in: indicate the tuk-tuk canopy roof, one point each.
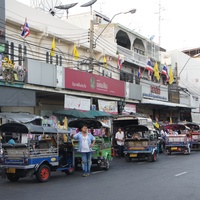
{"type": "Point", "coordinates": [29, 128]}
{"type": "Point", "coordinates": [193, 126]}
{"type": "Point", "coordinates": [136, 128]}
{"type": "Point", "coordinates": [175, 127]}
{"type": "Point", "coordinates": [20, 117]}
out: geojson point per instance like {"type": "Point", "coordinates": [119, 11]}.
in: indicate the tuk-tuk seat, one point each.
{"type": "Point", "coordinates": [5, 146]}
{"type": "Point", "coordinates": [17, 145]}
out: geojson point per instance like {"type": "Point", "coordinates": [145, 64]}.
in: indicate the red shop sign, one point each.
{"type": "Point", "coordinates": [83, 81]}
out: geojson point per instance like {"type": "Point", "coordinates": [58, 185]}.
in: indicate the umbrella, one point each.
{"type": "Point", "coordinates": [88, 122]}
{"type": "Point", "coordinates": [73, 113]}
{"type": "Point", "coordinates": [98, 113]}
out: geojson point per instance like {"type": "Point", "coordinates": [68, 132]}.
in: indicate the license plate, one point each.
{"type": "Point", "coordinates": [11, 170]}
{"type": "Point", "coordinates": [132, 155]}
{"type": "Point", "coordinates": [173, 148]}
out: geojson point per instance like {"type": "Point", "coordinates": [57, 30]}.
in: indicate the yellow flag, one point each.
{"type": "Point", "coordinates": [75, 53]}
{"type": "Point", "coordinates": [156, 71]}
{"type": "Point", "coordinates": [157, 125]}
{"type": "Point", "coordinates": [105, 62]}
{"type": "Point", "coordinates": [170, 120]}
{"type": "Point", "coordinates": [53, 46]}
{"type": "Point", "coordinates": [171, 76]}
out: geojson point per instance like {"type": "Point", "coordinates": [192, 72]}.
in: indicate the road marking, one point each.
{"type": "Point", "coordinates": [96, 172]}
{"type": "Point", "coordinates": [182, 173]}
{"type": "Point", "coordinates": [140, 163]}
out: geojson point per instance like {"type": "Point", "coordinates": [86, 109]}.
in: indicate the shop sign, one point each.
{"type": "Point", "coordinates": [83, 81]}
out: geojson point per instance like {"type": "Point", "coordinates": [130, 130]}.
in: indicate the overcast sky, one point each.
{"type": "Point", "coordinates": [179, 19]}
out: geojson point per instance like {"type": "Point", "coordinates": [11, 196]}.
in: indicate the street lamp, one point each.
{"type": "Point", "coordinates": [93, 43]}
{"type": "Point", "coordinates": [196, 55]}
{"type": "Point", "coordinates": [132, 11]}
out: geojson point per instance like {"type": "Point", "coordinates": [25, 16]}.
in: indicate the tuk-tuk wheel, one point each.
{"type": "Point", "coordinates": [107, 164]}
{"type": "Point", "coordinates": [70, 171]}
{"type": "Point", "coordinates": [43, 173]}
{"type": "Point", "coordinates": [127, 158]}
{"type": "Point", "coordinates": [152, 158]}
{"type": "Point", "coordinates": [12, 177]}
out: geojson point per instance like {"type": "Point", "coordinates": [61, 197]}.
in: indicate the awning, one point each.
{"type": "Point", "coordinates": [20, 117]}
{"type": "Point", "coordinates": [164, 103]}
{"type": "Point", "coordinates": [17, 97]}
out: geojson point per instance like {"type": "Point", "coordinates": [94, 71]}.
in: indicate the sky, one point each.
{"type": "Point", "coordinates": [177, 28]}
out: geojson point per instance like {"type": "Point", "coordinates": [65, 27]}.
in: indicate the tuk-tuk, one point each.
{"type": "Point", "coordinates": [194, 135]}
{"type": "Point", "coordinates": [140, 143]}
{"type": "Point", "coordinates": [177, 140]}
{"type": "Point", "coordinates": [38, 151]}
{"type": "Point", "coordinates": [101, 155]}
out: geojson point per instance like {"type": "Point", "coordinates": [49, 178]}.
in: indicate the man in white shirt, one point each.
{"type": "Point", "coordinates": [119, 137]}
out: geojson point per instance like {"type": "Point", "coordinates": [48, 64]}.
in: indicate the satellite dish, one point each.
{"type": "Point", "coordinates": [48, 6]}
{"type": "Point", "coordinates": [66, 7]}
{"type": "Point", "coordinates": [90, 3]}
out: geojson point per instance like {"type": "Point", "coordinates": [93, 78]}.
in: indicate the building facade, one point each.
{"type": "Point", "coordinates": [40, 83]}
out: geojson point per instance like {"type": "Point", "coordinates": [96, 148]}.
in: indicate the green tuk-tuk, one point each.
{"type": "Point", "coordinates": [101, 154]}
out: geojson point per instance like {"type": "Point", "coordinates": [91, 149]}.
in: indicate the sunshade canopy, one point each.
{"type": "Point", "coordinates": [98, 113]}
{"type": "Point", "coordinates": [73, 113]}
{"type": "Point", "coordinates": [88, 122]}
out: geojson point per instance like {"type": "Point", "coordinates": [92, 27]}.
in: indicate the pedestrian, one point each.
{"type": "Point", "coordinates": [86, 142]}
{"type": "Point", "coordinates": [11, 141]}
{"type": "Point", "coordinates": [119, 137]}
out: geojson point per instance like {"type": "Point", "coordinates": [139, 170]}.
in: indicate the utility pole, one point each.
{"type": "Point", "coordinates": [159, 23]}
{"type": "Point", "coordinates": [91, 45]}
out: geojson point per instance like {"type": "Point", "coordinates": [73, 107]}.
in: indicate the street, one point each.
{"type": "Point", "coordinates": [171, 177]}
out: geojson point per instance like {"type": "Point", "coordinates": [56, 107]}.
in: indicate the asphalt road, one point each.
{"type": "Point", "coordinates": [173, 177]}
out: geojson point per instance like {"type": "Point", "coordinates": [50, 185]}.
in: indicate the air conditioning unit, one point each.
{"type": "Point", "coordinates": [98, 20]}
{"type": "Point", "coordinates": [45, 31]}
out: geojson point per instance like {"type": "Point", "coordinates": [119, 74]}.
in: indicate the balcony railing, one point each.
{"type": "Point", "coordinates": [133, 57]}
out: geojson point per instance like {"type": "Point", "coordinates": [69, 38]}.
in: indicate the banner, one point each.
{"type": "Point", "coordinates": [129, 108]}
{"type": "Point", "coordinates": [108, 106]}
{"type": "Point", "coordinates": [78, 103]}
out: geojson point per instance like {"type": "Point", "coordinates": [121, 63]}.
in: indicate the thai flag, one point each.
{"type": "Point", "coordinates": [25, 30]}
{"type": "Point", "coordinates": [149, 66]}
{"type": "Point", "coordinates": [119, 62]}
{"type": "Point", "coordinates": [164, 71]}
{"type": "Point", "coordinates": [139, 74]}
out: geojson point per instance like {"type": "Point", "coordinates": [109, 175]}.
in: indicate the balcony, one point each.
{"type": "Point", "coordinates": [132, 57]}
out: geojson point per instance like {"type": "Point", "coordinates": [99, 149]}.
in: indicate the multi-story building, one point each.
{"type": "Point", "coordinates": [40, 83]}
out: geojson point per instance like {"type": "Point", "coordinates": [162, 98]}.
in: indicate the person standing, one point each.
{"type": "Point", "coordinates": [119, 137]}
{"type": "Point", "coordinates": [86, 142]}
